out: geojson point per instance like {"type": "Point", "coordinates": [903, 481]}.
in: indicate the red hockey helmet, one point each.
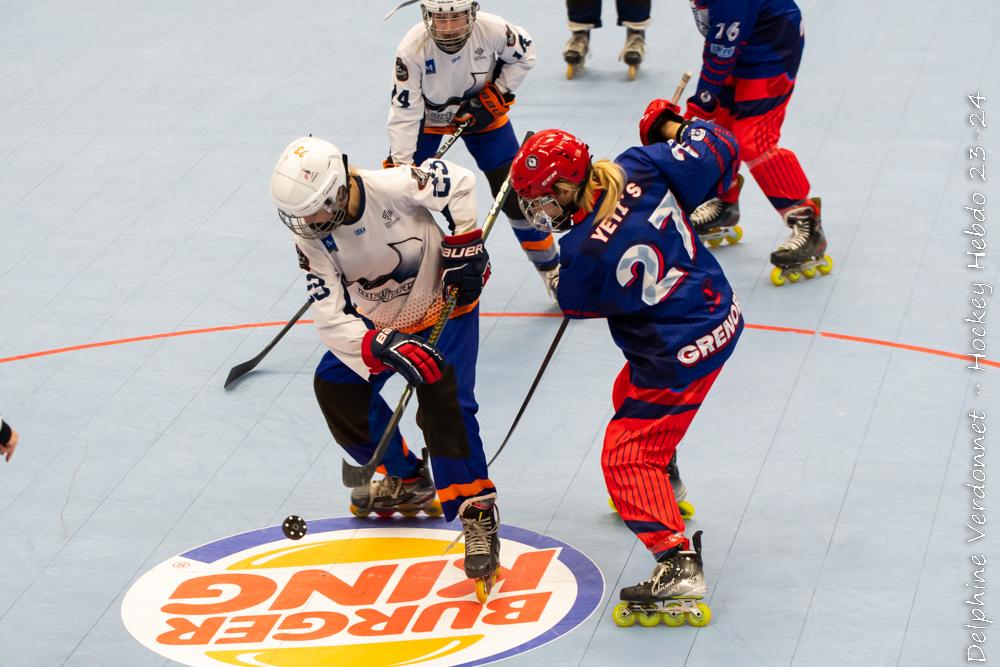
{"type": "Point", "coordinates": [545, 158]}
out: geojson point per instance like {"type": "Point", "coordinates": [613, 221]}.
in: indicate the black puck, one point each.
{"type": "Point", "coordinates": [294, 527]}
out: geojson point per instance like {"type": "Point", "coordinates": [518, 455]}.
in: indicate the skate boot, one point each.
{"type": "Point", "coordinates": [551, 279]}
{"type": "Point", "coordinates": [680, 489]}
{"type": "Point", "coordinates": [672, 594]}
{"type": "Point", "coordinates": [803, 252]}
{"type": "Point", "coordinates": [389, 495]}
{"type": "Point", "coordinates": [480, 523]}
{"type": "Point", "coordinates": [716, 221]}
{"type": "Point", "coordinates": [575, 51]}
{"type": "Point", "coordinates": [634, 51]}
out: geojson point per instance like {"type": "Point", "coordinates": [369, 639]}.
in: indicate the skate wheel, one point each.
{"type": "Point", "coordinates": [434, 509]}
{"type": "Point", "coordinates": [633, 70]}
{"type": "Point", "coordinates": [648, 619]}
{"type": "Point", "coordinates": [385, 514]}
{"type": "Point", "coordinates": [794, 276]}
{"type": "Point", "coordinates": [827, 266]}
{"type": "Point", "coordinates": [809, 273]}
{"type": "Point", "coordinates": [622, 615]}
{"type": "Point", "coordinates": [673, 619]}
{"type": "Point", "coordinates": [702, 618]}
{"type": "Point", "coordinates": [736, 235]}
{"type": "Point", "coordinates": [777, 279]}
{"type": "Point", "coordinates": [483, 587]}
{"type": "Point", "coordinates": [686, 509]}
{"type": "Point", "coordinates": [359, 511]}
{"type": "Point", "coordinates": [611, 504]}
{"type": "Point", "coordinates": [294, 527]}
{"type": "Point", "coordinates": [410, 514]}
{"type": "Point", "coordinates": [569, 72]}
{"type": "Point", "coordinates": [715, 243]}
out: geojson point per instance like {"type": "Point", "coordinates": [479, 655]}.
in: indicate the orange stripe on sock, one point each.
{"type": "Point", "coordinates": [471, 489]}
{"type": "Point", "coordinates": [544, 244]}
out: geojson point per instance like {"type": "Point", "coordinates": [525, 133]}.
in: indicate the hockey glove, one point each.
{"type": "Point", "coordinates": [702, 104]}
{"type": "Point", "coordinates": [410, 356]}
{"type": "Point", "coordinates": [485, 108]}
{"type": "Point", "coordinates": [388, 163]}
{"type": "Point", "coordinates": [656, 116]}
{"type": "Point", "coordinates": [466, 265]}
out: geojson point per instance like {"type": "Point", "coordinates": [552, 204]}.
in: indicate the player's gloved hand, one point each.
{"type": "Point", "coordinates": [657, 113]}
{"type": "Point", "coordinates": [466, 265]}
{"type": "Point", "coordinates": [410, 356]}
{"type": "Point", "coordinates": [485, 108]}
{"type": "Point", "coordinates": [388, 163]}
{"type": "Point", "coordinates": [702, 104]}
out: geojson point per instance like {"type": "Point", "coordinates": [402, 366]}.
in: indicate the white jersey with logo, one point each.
{"type": "Point", "coordinates": [386, 265]}
{"type": "Point", "coordinates": [429, 84]}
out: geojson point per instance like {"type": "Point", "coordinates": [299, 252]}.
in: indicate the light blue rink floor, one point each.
{"type": "Point", "coordinates": [828, 474]}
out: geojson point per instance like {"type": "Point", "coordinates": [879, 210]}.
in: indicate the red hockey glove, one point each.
{"type": "Point", "coordinates": [485, 108]}
{"type": "Point", "coordinates": [658, 112]}
{"type": "Point", "coordinates": [466, 265]}
{"type": "Point", "coordinates": [410, 356]}
{"type": "Point", "coordinates": [702, 104]}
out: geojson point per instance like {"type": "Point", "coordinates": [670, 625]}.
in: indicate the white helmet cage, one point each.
{"type": "Point", "coordinates": [449, 41]}
{"type": "Point", "coordinates": [310, 176]}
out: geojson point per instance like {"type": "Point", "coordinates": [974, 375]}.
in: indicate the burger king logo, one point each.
{"type": "Point", "coordinates": [358, 592]}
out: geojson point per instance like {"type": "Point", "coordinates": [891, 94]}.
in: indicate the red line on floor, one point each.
{"type": "Point", "coordinates": [258, 325]}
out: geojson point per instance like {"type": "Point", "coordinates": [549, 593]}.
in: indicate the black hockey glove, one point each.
{"type": "Point", "coordinates": [410, 356]}
{"type": "Point", "coordinates": [465, 265]}
{"type": "Point", "coordinates": [489, 105]}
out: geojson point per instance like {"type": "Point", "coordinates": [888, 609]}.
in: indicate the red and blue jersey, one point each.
{"type": "Point", "coordinates": [748, 39]}
{"type": "Point", "coordinates": [668, 304]}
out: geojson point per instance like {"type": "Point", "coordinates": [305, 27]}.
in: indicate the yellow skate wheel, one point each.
{"type": "Point", "coordinates": [359, 512]}
{"type": "Point", "coordinates": [569, 72]}
{"type": "Point", "coordinates": [809, 273]}
{"type": "Point", "coordinates": [715, 243]}
{"type": "Point", "coordinates": [736, 236]}
{"type": "Point", "coordinates": [703, 617]}
{"type": "Point", "coordinates": [686, 508]}
{"type": "Point", "coordinates": [827, 267]}
{"type": "Point", "coordinates": [673, 619]}
{"type": "Point", "coordinates": [776, 278]}
{"type": "Point", "coordinates": [794, 276]}
{"type": "Point", "coordinates": [611, 504]}
{"type": "Point", "coordinates": [483, 587]}
{"type": "Point", "coordinates": [633, 70]}
{"type": "Point", "coordinates": [622, 615]}
{"type": "Point", "coordinates": [410, 514]}
{"type": "Point", "coordinates": [434, 509]}
{"type": "Point", "coordinates": [648, 619]}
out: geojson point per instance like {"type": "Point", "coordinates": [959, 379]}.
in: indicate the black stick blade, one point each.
{"type": "Point", "coordinates": [239, 370]}
{"type": "Point", "coordinates": [355, 476]}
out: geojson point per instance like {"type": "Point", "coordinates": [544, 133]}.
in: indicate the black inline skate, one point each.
{"type": "Point", "coordinates": [716, 221]}
{"type": "Point", "coordinates": [575, 52]}
{"type": "Point", "coordinates": [389, 495]}
{"type": "Point", "coordinates": [480, 524]}
{"type": "Point", "coordinates": [804, 252]}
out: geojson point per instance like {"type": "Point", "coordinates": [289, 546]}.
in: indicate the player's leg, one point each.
{"type": "Point", "coordinates": [583, 15]}
{"type": "Point", "coordinates": [357, 415]}
{"type": "Point", "coordinates": [493, 152]}
{"type": "Point", "coordinates": [635, 16]}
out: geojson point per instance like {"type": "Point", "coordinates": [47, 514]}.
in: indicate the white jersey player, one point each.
{"type": "Point", "coordinates": [376, 265]}
{"type": "Point", "coordinates": [462, 66]}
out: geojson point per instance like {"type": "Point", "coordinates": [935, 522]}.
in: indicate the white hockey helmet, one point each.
{"type": "Point", "coordinates": [449, 22]}
{"type": "Point", "coordinates": [310, 176]}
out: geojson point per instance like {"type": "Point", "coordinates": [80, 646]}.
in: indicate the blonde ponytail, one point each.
{"type": "Point", "coordinates": [607, 176]}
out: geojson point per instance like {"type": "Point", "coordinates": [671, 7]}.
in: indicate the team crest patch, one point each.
{"type": "Point", "coordinates": [329, 243]}
{"type": "Point", "coordinates": [358, 592]}
{"type": "Point", "coordinates": [402, 74]}
{"type": "Point", "coordinates": [420, 176]}
{"type": "Point", "coordinates": [303, 260]}
{"type": "Point", "coordinates": [531, 162]}
{"type": "Point", "coordinates": [429, 67]}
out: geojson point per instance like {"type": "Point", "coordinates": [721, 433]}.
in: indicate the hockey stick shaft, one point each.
{"type": "Point", "coordinates": [354, 475]}
{"type": "Point", "coordinates": [239, 370]}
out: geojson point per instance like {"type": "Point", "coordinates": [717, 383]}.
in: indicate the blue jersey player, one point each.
{"type": "Point", "coordinates": [630, 255]}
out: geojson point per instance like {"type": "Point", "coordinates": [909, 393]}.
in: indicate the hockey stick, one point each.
{"type": "Point", "coordinates": [405, 4]}
{"type": "Point", "coordinates": [355, 476]}
{"type": "Point", "coordinates": [562, 326]}
{"type": "Point", "coordinates": [239, 370]}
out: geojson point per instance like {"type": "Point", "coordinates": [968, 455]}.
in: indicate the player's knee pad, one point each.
{"type": "Point", "coordinates": [439, 416]}
{"type": "Point", "coordinates": [345, 407]}
{"type": "Point", "coordinates": [496, 177]}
